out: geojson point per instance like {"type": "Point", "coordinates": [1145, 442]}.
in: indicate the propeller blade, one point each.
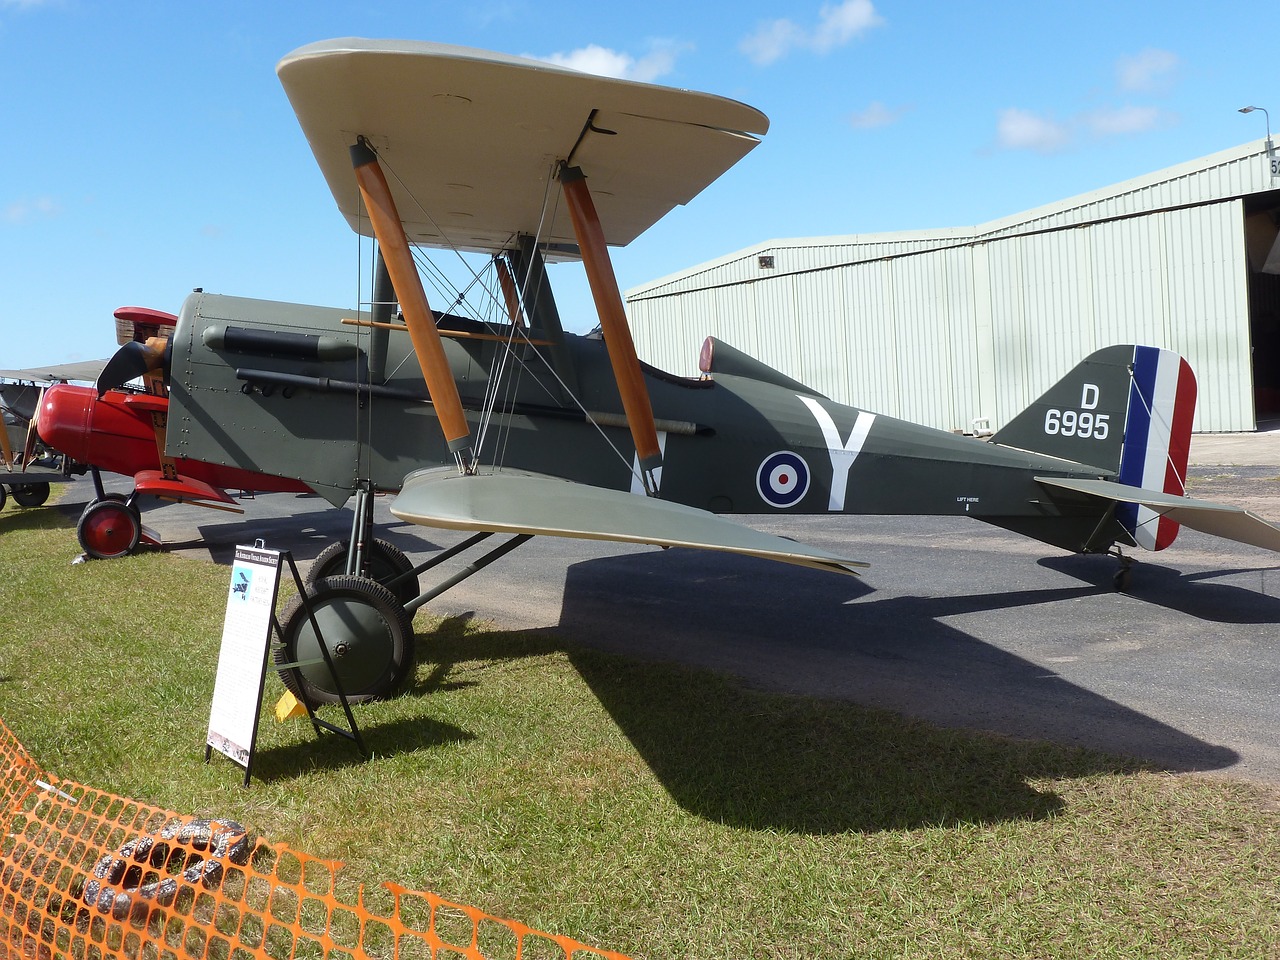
{"type": "Point", "coordinates": [33, 434]}
{"type": "Point", "coordinates": [131, 361]}
{"type": "Point", "coordinates": [6, 450]}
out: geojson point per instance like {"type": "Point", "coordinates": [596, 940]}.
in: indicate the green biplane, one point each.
{"type": "Point", "coordinates": [495, 420]}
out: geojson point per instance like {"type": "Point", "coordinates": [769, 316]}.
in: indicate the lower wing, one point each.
{"type": "Point", "coordinates": [518, 502]}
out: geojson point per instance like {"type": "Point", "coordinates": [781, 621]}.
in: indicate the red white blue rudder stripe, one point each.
{"type": "Point", "coordinates": [1157, 440]}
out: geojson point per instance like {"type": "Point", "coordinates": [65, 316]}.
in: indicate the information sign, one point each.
{"type": "Point", "coordinates": [242, 661]}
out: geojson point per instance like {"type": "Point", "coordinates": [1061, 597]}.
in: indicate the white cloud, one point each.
{"type": "Point", "coordinates": [593, 58]}
{"type": "Point", "coordinates": [1150, 71]}
{"type": "Point", "coordinates": [27, 210]}
{"type": "Point", "coordinates": [772, 41]}
{"type": "Point", "coordinates": [837, 25]}
{"type": "Point", "coordinates": [1018, 129]}
{"type": "Point", "coordinates": [1124, 120]}
{"type": "Point", "coordinates": [876, 115]}
{"type": "Point", "coordinates": [658, 62]}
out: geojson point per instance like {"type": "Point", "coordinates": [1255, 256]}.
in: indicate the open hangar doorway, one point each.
{"type": "Point", "coordinates": [1262, 241]}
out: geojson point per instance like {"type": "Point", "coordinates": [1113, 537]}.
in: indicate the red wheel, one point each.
{"type": "Point", "coordinates": [108, 529]}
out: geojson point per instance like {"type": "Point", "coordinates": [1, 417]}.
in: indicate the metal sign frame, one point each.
{"type": "Point", "coordinates": [250, 621]}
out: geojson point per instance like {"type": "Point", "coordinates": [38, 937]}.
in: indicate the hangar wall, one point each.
{"type": "Point", "coordinates": [942, 327]}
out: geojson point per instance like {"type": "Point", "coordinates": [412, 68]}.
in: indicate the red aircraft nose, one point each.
{"type": "Point", "coordinates": [64, 420]}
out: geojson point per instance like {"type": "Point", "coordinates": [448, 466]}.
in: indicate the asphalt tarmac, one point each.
{"type": "Point", "coordinates": [955, 622]}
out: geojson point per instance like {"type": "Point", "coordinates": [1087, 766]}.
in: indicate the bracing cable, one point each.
{"type": "Point", "coordinates": [515, 334]}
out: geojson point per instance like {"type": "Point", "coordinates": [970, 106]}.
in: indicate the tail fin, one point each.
{"type": "Point", "coordinates": [1128, 411]}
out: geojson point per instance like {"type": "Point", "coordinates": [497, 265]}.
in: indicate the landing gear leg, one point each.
{"type": "Point", "coordinates": [1124, 574]}
{"type": "Point", "coordinates": [97, 483]}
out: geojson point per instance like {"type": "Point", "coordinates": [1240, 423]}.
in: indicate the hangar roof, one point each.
{"type": "Point", "coordinates": [1237, 172]}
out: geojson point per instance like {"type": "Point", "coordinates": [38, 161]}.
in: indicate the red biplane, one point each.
{"type": "Point", "coordinates": [123, 431]}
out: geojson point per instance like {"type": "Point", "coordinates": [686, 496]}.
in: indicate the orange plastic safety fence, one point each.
{"type": "Point", "coordinates": [88, 875]}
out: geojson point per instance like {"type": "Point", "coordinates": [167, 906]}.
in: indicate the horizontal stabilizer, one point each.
{"type": "Point", "coordinates": [1232, 523]}
{"type": "Point", "coordinates": [517, 502]}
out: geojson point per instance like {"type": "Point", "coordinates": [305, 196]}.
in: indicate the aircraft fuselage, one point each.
{"type": "Point", "coordinates": [294, 397]}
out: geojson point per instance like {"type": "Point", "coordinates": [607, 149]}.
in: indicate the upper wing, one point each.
{"type": "Point", "coordinates": [1218, 519]}
{"type": "Point", "coordinates": [518, 502]}
{"type": "Point", "coordinates": [470, 139]}
{"type": "Point", "coordinates": [83, 370]}
{"type": "Point", "coordinates": [142, 323]}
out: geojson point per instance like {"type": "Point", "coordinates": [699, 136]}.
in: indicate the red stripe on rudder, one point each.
{"type": "Point", "coordinates": [1184, 411]}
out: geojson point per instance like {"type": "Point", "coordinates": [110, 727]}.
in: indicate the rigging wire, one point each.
{"type": "Point", "coordinates": [1163, 422]}
{"type": "Point", "coordinates": [515, 334]}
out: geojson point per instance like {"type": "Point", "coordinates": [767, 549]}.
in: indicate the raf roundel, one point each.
{"type": "Point", "coordinates": [783, 479]}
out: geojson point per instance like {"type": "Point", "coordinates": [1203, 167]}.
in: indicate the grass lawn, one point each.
{"type": "Point", "coordinates": [655, 810]}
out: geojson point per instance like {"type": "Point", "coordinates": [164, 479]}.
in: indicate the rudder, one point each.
{"type": "Point", "coordinates": [1162, 406]}
{"type": "Point", "coordinates": [1128, 411]}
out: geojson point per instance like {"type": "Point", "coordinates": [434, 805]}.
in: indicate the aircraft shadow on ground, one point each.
{"type": "Point", "coordinates": [792, 630]}
{"type": "Point", "coordinates": [896, 653]}
{"type": "Point", "coordinates": [765, 761]}
{"type": "Point", "coordinates": [303, 539]}
{"type": "Point", "coordinates": [1192, 594]}
{"type": "Point", "coordinates": [304, 535]}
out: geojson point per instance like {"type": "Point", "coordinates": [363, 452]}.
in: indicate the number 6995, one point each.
{"type": "Point", "coordinates": [1077, 423]}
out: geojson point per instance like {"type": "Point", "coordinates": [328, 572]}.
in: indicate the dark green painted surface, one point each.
{"type": "Point", "coordinates": [294, 411]}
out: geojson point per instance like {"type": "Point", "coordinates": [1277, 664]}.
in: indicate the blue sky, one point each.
{"type": "Point", "coordinates": [150, 148]}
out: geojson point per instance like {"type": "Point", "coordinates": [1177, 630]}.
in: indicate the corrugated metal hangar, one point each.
{"type": "Point", "coordinates": [944, 327]}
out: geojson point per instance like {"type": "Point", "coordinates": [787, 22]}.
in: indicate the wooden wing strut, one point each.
{"type": "Point", "coordinates": [613, 321]}
{"type": "Point", "coordinates": [394, 246]}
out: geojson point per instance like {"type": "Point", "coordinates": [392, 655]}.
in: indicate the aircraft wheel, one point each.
{"type": "Point", "coordinates": [30, 494]}
{"type": "Point", "coordinates": [109, 528]}
{"type": "Point", "coordinates": [383, 562]}
{"type": "Point", "coordinates": [367, 632]}
{"type": "Point", "coordinates": [3, 496]}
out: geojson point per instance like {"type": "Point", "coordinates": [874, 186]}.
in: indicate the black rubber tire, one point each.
{"type": "Point", "coordinates": [383, 563]}
{"type": "Point", "coordinates": [30, 494]}
{"type": "Point", "coordinates": [3, 496]}
{"type": "Point", "coordinates": [109, 528]}
{"type": "Point", "coordinates": [368, 635]}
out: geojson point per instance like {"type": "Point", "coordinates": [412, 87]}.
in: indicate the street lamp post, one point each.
{"type": "Point", "coordinates": [1271, 150]}
{"type": "Point", "coordinates": [1273, 165]}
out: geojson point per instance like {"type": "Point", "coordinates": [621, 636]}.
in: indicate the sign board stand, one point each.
{"type": "Point", "coordinates": [242, 661]}
{"type": "Point", "coordinates": [352, 732]}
